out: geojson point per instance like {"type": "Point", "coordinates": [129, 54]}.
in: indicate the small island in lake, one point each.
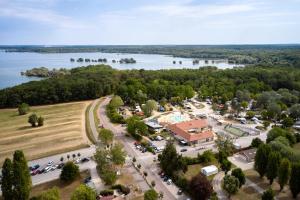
{"type": "Point", "coordinates": [44, 72]}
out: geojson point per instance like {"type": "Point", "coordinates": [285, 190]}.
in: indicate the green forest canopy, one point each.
{"type": "Point", "coordinates": [94, 81]}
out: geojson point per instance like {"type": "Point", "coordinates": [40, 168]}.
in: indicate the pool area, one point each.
{"type": "Point", "coordinates": [173, 118]}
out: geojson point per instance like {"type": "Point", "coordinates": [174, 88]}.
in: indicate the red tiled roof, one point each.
{"type": "Point", "coordinates": [182, 129]}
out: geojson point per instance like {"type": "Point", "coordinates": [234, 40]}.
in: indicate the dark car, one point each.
{"type": "Point", "coordinates": [183, 150]}
{"type": "Point", "coordinates": [166, 179]}
{"type": "Point", "coordinates": [87, 179]}
{"type": "Point", "coordinates": [85, 160]}
{"type": "Point", "coordinates": [60, 165]}
{"type": "Point", "coordinates": [179, 192]}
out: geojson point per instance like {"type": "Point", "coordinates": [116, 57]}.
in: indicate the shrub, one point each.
{"type": "Point", "coordinates": [106, 192]}
{"type": "Point", "coordinates": [23, 109]}
{"type": "Point", "coordinates": [69, 172]}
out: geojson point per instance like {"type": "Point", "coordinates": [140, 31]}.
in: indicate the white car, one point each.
{"type": "Point", "coordinates": [77, 161]}
{"type": "Point", "coordinates": [50, 163]}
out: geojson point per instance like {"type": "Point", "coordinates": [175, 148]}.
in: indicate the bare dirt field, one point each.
{"type": "Point", "coordinates": [63, 130]}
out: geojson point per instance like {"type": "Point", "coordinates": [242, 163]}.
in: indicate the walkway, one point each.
{"type": "Point", "coordinates": [217, 185]}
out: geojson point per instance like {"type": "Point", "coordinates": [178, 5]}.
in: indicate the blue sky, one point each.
{"type": "Point", "coordinates": [114, 22]}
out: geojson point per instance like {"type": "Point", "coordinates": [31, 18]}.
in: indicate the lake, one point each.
{"type": "Point", "coordinates": [11, 64]}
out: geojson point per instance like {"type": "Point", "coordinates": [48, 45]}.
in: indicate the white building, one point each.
{"type": "Point", "coordinates": [209, 170]}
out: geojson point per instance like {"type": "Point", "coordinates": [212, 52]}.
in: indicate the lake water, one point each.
{"type": "Point", "coordinates": [11, 64]}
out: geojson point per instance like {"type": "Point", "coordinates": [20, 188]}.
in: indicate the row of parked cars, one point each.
{"type": "Point", "coordinates": [169, 181]}
{"type": "Point", "coordinates": [51, 166]}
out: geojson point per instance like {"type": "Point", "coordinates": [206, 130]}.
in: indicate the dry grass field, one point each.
{"type": "Point", "coordinates": [63, 130]}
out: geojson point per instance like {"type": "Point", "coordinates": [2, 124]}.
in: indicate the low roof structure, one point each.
{"type": "Point", "coordinates": [153, 125]}
{"type": "Point", "coordinates": [192, 130]}
{"type": "Point", "coordinates": [249, 154]}
{"type": "Point", "coordinates": [208, 170]}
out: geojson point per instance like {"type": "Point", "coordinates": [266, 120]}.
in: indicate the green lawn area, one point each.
{"type": "Point", "coordinates": [296, 148]}
{"type": "Point", "coordinates": [193, 170]}
{"type": "Point", "coordinates": [246, 193]}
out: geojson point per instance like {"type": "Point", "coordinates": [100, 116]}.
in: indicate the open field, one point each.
{"type": "Point", "coordinates": [65, 190]}
{"type": "Point", "coordinates": [63, 130]}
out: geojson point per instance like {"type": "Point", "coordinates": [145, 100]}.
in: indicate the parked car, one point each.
{"type": "Point", "coordinates": [169, 181]}
{"type": "Point", "coordinates": [85, 160]}
{"type": "Point", "coordinates": [50, 163]}
{"type": "Point", "coordinates": [183, 150]}
{"type": "Point", "coordinates": [61, 165]}
{"type": "Point", "coordinates": [77, 161]}
{"type": "Point", "coordinates": [179, 192]}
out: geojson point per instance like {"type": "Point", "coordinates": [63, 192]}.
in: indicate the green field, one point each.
{"type": "Point", "coordinates": [63, 130]}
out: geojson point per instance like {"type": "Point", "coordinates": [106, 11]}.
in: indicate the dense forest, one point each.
{"type": "Point", "coordinates": [284, 55]}
{"type": "Point", "coordinates": [138, 85]}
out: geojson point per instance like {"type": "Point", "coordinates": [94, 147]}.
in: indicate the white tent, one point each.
{"type": "Point", "coordinates": [209, 170]}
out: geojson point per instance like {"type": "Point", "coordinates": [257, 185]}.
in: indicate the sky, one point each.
{"type": "Point", "coordinates": [146, 22]}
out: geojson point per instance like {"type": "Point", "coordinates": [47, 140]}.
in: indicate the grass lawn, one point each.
{"type": "Point", "coordinates": [193, 170]}
{"type": "Point", "coordinates": [65, 190]}
{"type": "Point", "coordinates": [253, 176]}
{"type": "Point", "coordinates": [63, 130]}
{"type": "Point", "coordinates": [296, 148]}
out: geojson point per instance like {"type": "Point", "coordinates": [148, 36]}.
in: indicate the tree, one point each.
{"type": "Point", "coordinates": [200, 188]}
{"type": "Point", "coordinates": [261, 159]}
{"type": "Point", "coordinates": [239, 174]}
{"type": "Point", "coordinates": [225, 165]}
{"type": "Point", "coordinates": [40, 121]}
{"type": "Point", "coordinates": [266, 124]}
{"type": "Point", "coordinates": [284, 172]}
{"type": "Point", "coordinates": [7, 180]}
{"type": "Point", "coordinates": [244, 104]}
{"type": "Point", "coordinates": [61, 159]}
{"type": "Point", "coordinates": [22, 178]}
{"type": "Point", "coordinates": [230, 184]}
{"type": "Point", "coordinates": [268, 194]}
{"type": "Point", "coordinates": [206, 157]}
{"type": "Point", "coordinates": [83, 192]}
{"type": "Point", "coordinates": [256, 142]}
{"type": "Point", "coordinates": [51, 194]}
{"type": "Point", "coordinates": [33, 119]}
{"type": "Point", "coordinates": [69, 172]}
{"type": "Point", "coordinates": [150, 195]}
{"type": "Point", "coordinates": [23, 109]}
{"type": "Point", "coordinates": [295, 179]}
{"type": "Point", "coordinates": [116, 102]}
{"type": "Point", "coordinates": [295, 111]}
{"type": "Point", "coordinates": [287, 122]}
{"type": "Point", "coordinates": [118, 155]}
{"type": "Point", "coordinates": [109, 176]}
{"type": "Point", "coordinates": [106, 136]}
{"type": "Point", "coordinates": [276, 132]}
{"type": "Point", "coordinates": [250, 114]}
{"type": "Point", "coordinates": [169, 159]}
{"type": "Point", "coordinates": [149, 107]}
{"type": "Point", "coordinates": [273, 110]}
{"type": "Point", "coordinates": [101, 158]}
{"type": "Point", "coordinates": [273, 166]}
{"type": "Point", "coordinates": [225, 144]}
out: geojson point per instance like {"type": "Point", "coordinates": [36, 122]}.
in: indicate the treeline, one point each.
{"type": "Point", "coordinates": [137, 86]}
{"type": "Point", "coordinates": [285, 55]}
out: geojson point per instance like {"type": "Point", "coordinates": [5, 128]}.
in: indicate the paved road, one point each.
{"type": "Point", "coordinates": [147, 165]}
{"type": "Point", "coordinates": [217, 185]}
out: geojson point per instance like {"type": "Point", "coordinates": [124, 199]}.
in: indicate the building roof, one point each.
{"type": "Point", "coordinates": [191, 130]}
{"type": "Point", "coordinates": [209, 169]}
{"type": "Point", "coordinates": [249, 154]}
{"type": "Point", "coordinates": [153, 125]}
